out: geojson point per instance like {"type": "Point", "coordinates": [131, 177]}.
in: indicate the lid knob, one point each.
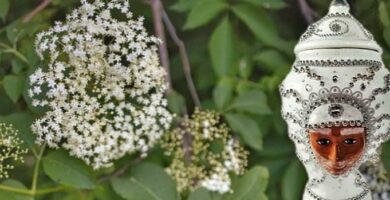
{"type": "Point", "coordinates": [339, 6]}
{"type": "Point", "coordinates": [340, 3]}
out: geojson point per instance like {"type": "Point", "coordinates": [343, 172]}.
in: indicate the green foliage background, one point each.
{"type": "Point", "coordinates": [239, 50]}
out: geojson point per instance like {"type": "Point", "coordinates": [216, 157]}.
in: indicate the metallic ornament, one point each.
{"type": "Point", "coordinates": [336, 110]}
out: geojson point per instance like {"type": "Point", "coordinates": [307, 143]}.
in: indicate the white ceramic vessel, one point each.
{"type": "Point", "coordinates": [337, 63]}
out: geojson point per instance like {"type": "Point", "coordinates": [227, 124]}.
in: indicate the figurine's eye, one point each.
{"type": "Point", "coordinates": [350, 141]}
{"type": "Point", "coordinates": [323, 142]}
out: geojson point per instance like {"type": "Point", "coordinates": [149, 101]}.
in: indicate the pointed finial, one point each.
{"type": "Point", "coordinates": [341, 6]}
{"type": "Point", "coordinates": [340, 3]}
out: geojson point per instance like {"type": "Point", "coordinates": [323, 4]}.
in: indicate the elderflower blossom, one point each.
{"type": "Point", "coordinates": [103, 85]}
{"type": "Point", "coordinates": [10, 150]}
{"type": "Point", "coordinates": [203, 153]}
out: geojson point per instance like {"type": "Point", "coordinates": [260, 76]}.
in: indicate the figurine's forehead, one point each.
{"type": "Point", "coordinates": [335, 112]}
{"type": "Point", "coordinates": [342, 130]}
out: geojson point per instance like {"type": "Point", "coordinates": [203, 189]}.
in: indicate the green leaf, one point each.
{"type": "Point", "coordinates": [203, 12]}
{"type": "Point", "coordinates": [272, 60]}
{"type": "Point", "coordinates": [384, 14]}
{"type": "Point", "coordinates": [18, 66]}
{"type": "Point", "coordinates": [253, 101]}
{"type": "Point", "coordinates": [22, 122]}
{"type": "Point", "coordinates": [251, 186]}
{"type": "Point", "coordinates": [247, 128]}
{"type": "Point", "coordinates": [132, 189]}
{"type": "Point", "coordinates": [259, 23]}
{"type": "Point", "coordinates": [223, 93]}
{"type": "Point", "coordinates": [272, 148]}
{"type": "Point", "coordinates": [386, 35]}
{"type": "Point", "coordinates": [245, 67]}
{"type": "Point", "coordinates": [245, 85]}
{"type": "Point", "coordinates": [13, 86]}
{"type": "Point", "coordinates": [271, 83]}
{"type": "Point", "coordinates": [276, 167]}
{"type": "Point", "coordinates": [222, 49]}
{"type": "Point", "coordinates": [18, 30]}
{"type": "Point", "coordinates": [200, 194]}
{"type": "Point", "coordinates": [268, 4]}
{"type": "Point", "coordinates": [4, 8]}
{"type": "Point", "coordinates": [360, 7]}
{"type": "Point", "coordinates": [148, 182]}
{"type": "Point", "coordinates": [294, 175]}
{"type": "Point", "coordinates": [15, 31]}
{"type": "Point", "coordinates": [66, 170]}
{"type": "Point", "coordinates": [279, 124]}
{"type": "Point", "coordinates": [183, 5]}
{"type": "Point", "coordinates": [105, 192]}
{"type": "Point", "coordinates": [14, 196]}
{"type": "Point", "coordinates": [385, 155]}
{"type": "Point", "coordinates": [176, 102]}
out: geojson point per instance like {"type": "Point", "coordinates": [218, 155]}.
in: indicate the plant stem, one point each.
{"type": "Point", "coordinates": [184, 58]}
{"type": "Point", "coordinates": [156, 6]}
{"type": "Point", "coordinates": [15, 190]}
{"type": "Point", "coordinates": [49, 190]}
{"type": "Point", "coordinates": [9, 49]}
{"type": "Point", "coordinates": [38, 9]}
{"type": "Point", "coordinates": [30, 192]}
{"type": "Point", "coordinates": [36, 169]}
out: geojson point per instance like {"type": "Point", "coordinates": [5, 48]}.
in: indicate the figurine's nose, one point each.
{"type": "Point", "coordinates": [336, 154]}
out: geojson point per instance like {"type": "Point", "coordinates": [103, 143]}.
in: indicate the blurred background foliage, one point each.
{"type": "Point", "coordinates": [239, 51]}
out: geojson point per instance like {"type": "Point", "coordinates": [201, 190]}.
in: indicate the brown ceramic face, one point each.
{"type": "Point", "coordinates": [338, 148]}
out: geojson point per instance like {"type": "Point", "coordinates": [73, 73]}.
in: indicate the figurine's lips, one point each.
{"type": "Point", "coordinates": [338, 165]}
{"type": "Point", "coordinates": [339, 168]}
{"type": "Point", "coordinates": [336, 169]}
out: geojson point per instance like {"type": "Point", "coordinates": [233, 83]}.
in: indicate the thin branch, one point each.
{"type": "Point", "coordinates": [36, 169]}
{"type": "Point", "coordinates": [182, 49]}
{"type": "Point", "coordinates": [308, 13]}
{"type": "Point", "coordinates": [184, 58]}
{"type": "Point", "coordinates": [156, 6]}
{"type": "Point", "coordinates": [38, 9]}
{"type": "Point", "coordinates": [187, 147]}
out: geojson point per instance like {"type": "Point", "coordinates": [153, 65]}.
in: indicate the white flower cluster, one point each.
{"type": "Point", "coordinates": [234, 161]}
{"type": "Point", "coordinates": [10, 149]}
{"type": "Point", "coordinates": [218, 182]}
{"type": "Point", "coordinates": [204, 153]}
{"type": "Point", "coordinates": [103, 84]}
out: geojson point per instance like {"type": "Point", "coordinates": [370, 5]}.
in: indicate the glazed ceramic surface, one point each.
{"type": "Point", "coordinates": [336, 101]}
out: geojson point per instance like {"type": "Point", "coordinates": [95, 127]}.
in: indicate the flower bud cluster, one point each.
{"type": "Point", "coordinates": [10, 149]}
{"type": "Point", "coordinates": [203, 153]}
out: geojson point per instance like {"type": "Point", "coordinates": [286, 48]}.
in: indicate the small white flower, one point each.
{"type": "Point", "coordinates": [217, 183]}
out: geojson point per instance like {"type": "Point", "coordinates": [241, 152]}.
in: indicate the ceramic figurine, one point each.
{"type": "Point", "coordinates": [336, 101]}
